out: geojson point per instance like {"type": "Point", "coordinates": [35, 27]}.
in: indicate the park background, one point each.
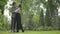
{"type": "Point", "coordinates": [37, 16]}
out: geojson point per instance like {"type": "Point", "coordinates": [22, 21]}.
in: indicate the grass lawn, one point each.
{"type": "Point", "coordinates": [32, 32]}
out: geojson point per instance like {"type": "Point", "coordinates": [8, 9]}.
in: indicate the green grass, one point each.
{"type": "Point", "coordinates": [32, 32]}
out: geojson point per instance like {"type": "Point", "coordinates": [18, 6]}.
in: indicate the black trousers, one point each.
{"type": "Point", "coordinates": [16, 22]}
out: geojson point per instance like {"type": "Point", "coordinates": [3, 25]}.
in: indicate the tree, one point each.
{"type": "Point", "coordinates": [41, 18]}
{"type": "Point", "coordinates": [2, 4]}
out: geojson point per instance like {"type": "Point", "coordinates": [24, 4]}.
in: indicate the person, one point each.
{"type": "Point", "coordinates": [13, 23]}
{"type": "Point", "coordinates": [18, 18]}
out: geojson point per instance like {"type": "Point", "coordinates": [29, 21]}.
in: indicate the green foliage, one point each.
{"type": "Point", "coordinates": [2, 4]}
{"type": "Point", "coordinates": [32, 15]}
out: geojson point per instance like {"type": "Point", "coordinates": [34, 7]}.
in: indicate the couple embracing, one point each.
{"type": "Point", "coordinates": [16, 18]}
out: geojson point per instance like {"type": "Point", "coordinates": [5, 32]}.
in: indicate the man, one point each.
{"type": "Point", "coordinates": [13, 17]}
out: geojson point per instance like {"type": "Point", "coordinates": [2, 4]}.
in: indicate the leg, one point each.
{"type": "Point", "coordinates": [12, 24]}
{"type": "Point", "coordinates": [19, 23]}
{"type": "Point", "coordinates": [17, 28]}
{"type": "Point", "coordinates": [17, 18]}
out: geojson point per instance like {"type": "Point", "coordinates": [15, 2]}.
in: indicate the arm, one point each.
{"type": "Point", "coordinates": [17, 10]}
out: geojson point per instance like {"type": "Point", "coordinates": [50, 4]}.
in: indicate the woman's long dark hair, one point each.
{"type": "Point", "coordinates": [19, 5]}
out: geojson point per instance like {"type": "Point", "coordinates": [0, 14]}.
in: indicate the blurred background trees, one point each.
{"type": "Point", "coordinates": [2, 4]}
{"type": "Point", "coordinates": [38, 14]}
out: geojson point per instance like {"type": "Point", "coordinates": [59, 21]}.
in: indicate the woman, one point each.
{"type": "Point", "coordinates": [18, 18]}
